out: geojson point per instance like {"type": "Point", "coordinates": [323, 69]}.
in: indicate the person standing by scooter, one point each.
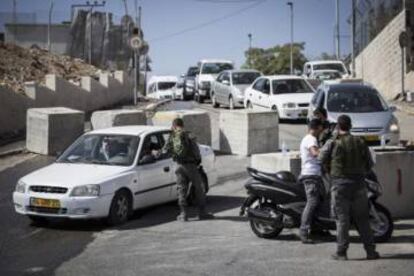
{"type": "Point", "coordinates": [349, 160]}
{"type": "Point", "coordinates": [311, 177]}
{"type": "Point", "coordinates": [327, 132]}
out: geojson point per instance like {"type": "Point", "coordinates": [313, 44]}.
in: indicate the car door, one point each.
{"type": "Point", "coordinates": [155, 179]}
{"type": "Point", "coordinates": [225, 88]}
{"type": "Point", "coordinates": [255, 91]}
{"type": "Point", "coordinates": [264, 96]}
{"type": "Point", "coordinates": [218, 86]}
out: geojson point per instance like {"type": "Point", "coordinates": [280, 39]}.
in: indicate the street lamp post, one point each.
{"type": "Point", "coordinates": [49, 43]}
{"type": "Point", "coordinates": [337, 31]}
{"type": "Point", "coordinates": [249, 35]}
{"type": "Point", "coordinates": [291, 36]}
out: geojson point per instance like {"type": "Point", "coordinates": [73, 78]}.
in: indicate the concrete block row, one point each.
{"type": "Point", "coordinates": [246, 132]}
{"type": "Point", "coordinates": [197, 122]}
{"type": "Point", "coordinates": [120, 117]}
{"type": "Point", "coordinates": [89, 95]}
{"type": "Point", "coordinates": [52, 130]}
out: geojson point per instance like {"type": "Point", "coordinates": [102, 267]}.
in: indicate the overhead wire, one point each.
{"type": "Point", "coordinates": [210, 22]}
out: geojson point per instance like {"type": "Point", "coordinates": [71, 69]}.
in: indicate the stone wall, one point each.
{"type": "Point", "coordinates": [89, 95]}
{"type": "Point", "coordinates": [380, 62]}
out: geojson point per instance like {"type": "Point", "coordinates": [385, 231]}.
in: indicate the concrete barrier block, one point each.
{"type": "Point", "coordinates": [395, 173]}
{"type": "Point", "coordinates": [247, 132]}
{"type": "Point", "coordinates": [274, 162]}
{"type": "Point", "coordinates": [198, 122]}
{"type": "Point", "coordinates": [120, 117]}
{"type": "Point", "coordinates": [52, 130]}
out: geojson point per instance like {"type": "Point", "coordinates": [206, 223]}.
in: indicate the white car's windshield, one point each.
{"type": "Point", "coordinates": [329, 66]}
{"type": "Point", "coordinates": [215, 68]}
{"type": "Point", "coordinates": [355, 100]}
{"type": "Point", "coordinates": [117, 150]}
{"type": "Point", "coordinates": [290, 86]}
{"type": "Point", "coordinates": [166, 85]}
{"type": "Point", "coordinates": [244, 77]}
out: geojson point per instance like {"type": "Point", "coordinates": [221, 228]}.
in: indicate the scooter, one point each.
{"type": "Point", "coordinates": [276, 201]}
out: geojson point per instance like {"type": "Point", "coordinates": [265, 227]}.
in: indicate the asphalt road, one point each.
{"type": "Point", "coordinates": [153, 243]}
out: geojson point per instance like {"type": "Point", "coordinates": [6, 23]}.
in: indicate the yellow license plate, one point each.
{"type": "Point", "coordinates": [42, 202]}
{"type": "Point", "coordinates": [371, 138]}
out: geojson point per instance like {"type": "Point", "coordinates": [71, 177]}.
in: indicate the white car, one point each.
{"type": "Point", "coordinates": [288, 95]}
{"type": "Point", "coordinates": [208, 69]}
{"type": "Point", "coordinates": [106, 174]}
{"type": "Point", "coordinates": [325, 69]}
{"type": "Point", "coordinates": [162, 87]}
{"type": "Point", "coordinates": [230, 85]}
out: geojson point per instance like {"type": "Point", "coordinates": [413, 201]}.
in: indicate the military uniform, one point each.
{"type": "Point", "coordinates": [186, 154]}
{"type": "Point", "coordinates": [349, 160]}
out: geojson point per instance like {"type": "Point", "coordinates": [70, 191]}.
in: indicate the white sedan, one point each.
{"type": "Point", "coordinates": [106, 174]}
{"type": "Point", "coordinates": [289, 96]}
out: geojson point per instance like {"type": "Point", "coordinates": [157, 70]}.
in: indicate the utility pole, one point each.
{"type": "Point", "coordinates": [353, 31]}
{"type": "Point", "coordinates": [291, 36]}
{"type": "Point", "coordinates": [126, 7]}
{"type": "Point", "coordinates": [49, 44]}
{"type": "Point", "coordinates": [337, 31]}
{"type": "Point", "coordinates": [139, 56]}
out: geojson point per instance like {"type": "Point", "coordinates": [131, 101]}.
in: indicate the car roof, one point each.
{"type": "Point", "coordinates": [134, 130]}
{"type": "Point", "coordinates": [351, 86]}
{"type": "Point", "coordinates": [284, 77]}
{"type": "Point", "coordinates": [216, 60]}
{"type": "Point", "coordinates": [163, 78]}
{"type": "Point", "coordinates": [324, 61]}
{"type": "Point", "coordinates": [241, 70]}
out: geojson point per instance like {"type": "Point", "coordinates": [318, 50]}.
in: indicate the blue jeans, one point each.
{"type": "Point", "coordinates": [315, 192]}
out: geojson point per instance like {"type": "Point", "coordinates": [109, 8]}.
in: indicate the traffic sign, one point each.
{"type": "Point", "coordinates": [135, 42]}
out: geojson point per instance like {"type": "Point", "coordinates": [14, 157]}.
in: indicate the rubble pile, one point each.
{"type": "Point", "coordinates": [18, 65]}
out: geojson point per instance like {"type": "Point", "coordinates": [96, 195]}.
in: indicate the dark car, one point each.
{"type": "Point", "coordinates": [189, 83]}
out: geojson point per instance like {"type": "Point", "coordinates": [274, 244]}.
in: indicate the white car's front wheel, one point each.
{"type": "Point", "coordinates": [121, 208]}
{"type": "Point", "coordinates": [214, 100]}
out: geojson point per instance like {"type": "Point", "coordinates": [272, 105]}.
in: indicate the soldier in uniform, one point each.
{"type": "Point", "coordinates": [185, 152]}
{"type": "Point", "coordinates": [349, 160]}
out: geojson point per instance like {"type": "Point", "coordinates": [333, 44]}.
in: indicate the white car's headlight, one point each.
{"type": "Point", "coordinates": [20, 187]}
{"type": "Point", "coordinates": [393, 126]}
{"type": "Point", "coordinates": [86, 190]}
{"type": "Point", "coordinates": [289, 105]}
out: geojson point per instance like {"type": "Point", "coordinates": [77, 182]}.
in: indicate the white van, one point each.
{"type": "Point", "coordinates": [325, 70]}
{"type": "Point", "coordinates": [208, 71]}
{"type": "Point", "coordinates": [162, 87]}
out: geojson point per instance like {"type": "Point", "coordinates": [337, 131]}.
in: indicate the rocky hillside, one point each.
{"type": "Point", "coordinates": [18, 65]}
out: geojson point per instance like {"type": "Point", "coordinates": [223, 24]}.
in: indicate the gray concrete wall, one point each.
{"type": "Point", "coordinates": [380, 62]}
{"type": "Point", "coordinates": [88, 96]}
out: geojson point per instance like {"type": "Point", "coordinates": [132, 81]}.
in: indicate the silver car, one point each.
{"type": "Point", "coordinates": [228, 89]}
{"type": "Point", "coordinates": [371, 116]}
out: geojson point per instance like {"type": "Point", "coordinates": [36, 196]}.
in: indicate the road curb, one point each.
{"type": "Point", "coordinates": [12, 152]}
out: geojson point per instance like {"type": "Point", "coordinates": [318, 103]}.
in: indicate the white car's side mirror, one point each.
{"type": "Point", "coordinates": [393, 108]}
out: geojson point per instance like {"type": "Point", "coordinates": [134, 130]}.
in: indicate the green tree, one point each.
{"type": "Point", "coordinates": [275, 60]}
{"type": "Point", "coordinates": [326, 56]}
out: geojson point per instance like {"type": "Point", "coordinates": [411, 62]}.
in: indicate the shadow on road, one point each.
{"type": "Point", "coordinates": [168, 212]}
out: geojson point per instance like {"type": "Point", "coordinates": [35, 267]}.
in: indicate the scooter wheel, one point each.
{"type": "Point", "coordinates": [263, 229]}
{"type": "Point", "coordinates": [381, 223]}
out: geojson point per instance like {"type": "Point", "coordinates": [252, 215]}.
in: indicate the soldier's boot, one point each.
{"type": "Point", "coordinates": [183, 214]}
{"type": "Point", "coordinates": [373, 255]}
{"type": "Point", "coordinates": [203, 214]}
{"type": "Point", "coordinates": [305, 237]}
{"type": "Point", "coordinates": [340, 256]}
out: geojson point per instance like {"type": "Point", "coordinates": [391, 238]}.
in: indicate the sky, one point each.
{"type": "Point", "coordinates": [181, 32]}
